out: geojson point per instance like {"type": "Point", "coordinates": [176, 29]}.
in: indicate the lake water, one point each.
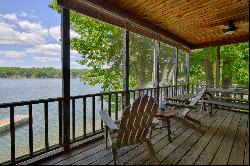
{"type": "Point", "coordinates": [14, 90]}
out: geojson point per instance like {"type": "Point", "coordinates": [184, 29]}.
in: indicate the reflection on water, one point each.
{"type": "Point", "coordinates": [12, 90]}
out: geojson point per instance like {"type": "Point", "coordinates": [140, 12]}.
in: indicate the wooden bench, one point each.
{"type": "Point", "coordinates": [211, 102]}
{"type": "Point", "coordinates": [231, 99]}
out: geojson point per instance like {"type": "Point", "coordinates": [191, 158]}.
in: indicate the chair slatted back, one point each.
{"type": "Point", "coordinates": [136, 121]}
{"type": "Point", "coordinates": [194, 101]}
{"type": "Point", "coordinates": [197, 97]}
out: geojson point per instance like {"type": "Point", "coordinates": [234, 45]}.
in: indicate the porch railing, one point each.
{"type": "Point", "coordinates": [85, 121]}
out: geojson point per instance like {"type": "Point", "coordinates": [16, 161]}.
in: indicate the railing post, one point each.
{"type": "Point", "coordinates": [73, 119]}
{"type": "Point", "coordinates": [116, 106]}
{"type": "Point", "coordinates": [167, 90]}
{"type": "Point", "coordinates": [187, 71]}
{"type": "Point", "coordinates": [126, 68]}
{"type": "Point", "coordinates": [84, 116]}
{"type": "Point", "coordinates": [217, 68]}
{"type": "Point", "coordinates": [60, 121]}
{"type": "Point", "coordinates": [156, 70]}
{"type": "Point", "coordinates": [109, 104]}
{"type": "Point", "coordinates": [101, 98]}
{"type": "Point", "coordinates": [93, 114]}
{"type": "Point", "coordinates": [65, 51]}
{"type": "Point", "coordinates": [46, 122]}
{"type": "Point", "coordinates": [175, 70]}
{"type": "Point", "coordinates": [30, 130]}
{"type": "Point", "coordinates": [12, 135]}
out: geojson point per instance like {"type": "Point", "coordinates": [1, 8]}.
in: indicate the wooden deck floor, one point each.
{"type": "Point", "coordinates": [224, 142]}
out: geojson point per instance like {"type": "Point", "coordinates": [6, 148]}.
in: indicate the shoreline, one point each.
{"type": "Point", "coordinates": [18, 120]}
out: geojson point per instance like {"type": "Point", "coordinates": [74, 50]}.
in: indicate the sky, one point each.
{"type": "Point", "coordinates": [30, 35]}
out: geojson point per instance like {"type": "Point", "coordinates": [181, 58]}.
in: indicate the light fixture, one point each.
{"type": "Point", "coordinates": [231, 28]}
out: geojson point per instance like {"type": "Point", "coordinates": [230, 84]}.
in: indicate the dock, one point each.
{"type": "Point", "coordinates": [19, 119]}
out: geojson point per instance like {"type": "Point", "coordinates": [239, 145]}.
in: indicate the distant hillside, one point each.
{"type": "Point", "coordinates": [49, 72]}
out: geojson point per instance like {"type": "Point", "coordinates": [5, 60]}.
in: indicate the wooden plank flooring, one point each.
{"type": "Point", "coordinates": [225, 141]}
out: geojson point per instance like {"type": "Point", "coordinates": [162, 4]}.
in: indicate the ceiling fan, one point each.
{"type": "Point", "coordinates": [231, 28]}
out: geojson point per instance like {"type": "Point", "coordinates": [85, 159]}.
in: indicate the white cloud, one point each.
{"type": "Point", "coordinates": [73, 53]}
{"type": "Point", "coordinates": [30, 33]}
{"type": "Point", "coordinates": [35, 36]}
{"type": "Point", "coordinates": [55, 32]}
{"type": "Point", "coordinates": [11, 16]}
{"type": "Point", "coordinates": [33, 27]}
{"type": "Point", "coordinates": [32, 38]}
{"type": "Point", "coordinates": [33, 11]}
{"type": "Point", "coordinates": [23, 14]}
{"type": "Point", "coordinates": [17, 63]}
{"type": "Point", "coordinates": [73, 34]}
{"type": "Point", "coordinates": [76, 65]}
{"type": "Point", "coordinates": [46, 59]}
{"type": "Point", "coordinates": [2, 62]}
{"type": "Point", "coordinates": [48, 50]}
{"type": "Point", "coordinates": [8, 35]}
{"type": "Point", "coordinates": [12, 54]}
{"type": "Point", "coordinates": [45, 50]}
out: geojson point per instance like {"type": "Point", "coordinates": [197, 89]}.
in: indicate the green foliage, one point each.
{"type": "Point", "coordinates": [100, 46]}
{"type": "Point", "coordinates": [181, 67]}
{"type": "Point", "coordinates": [197, 67]}
{"type": "Point", "coordinates": [236, 54]}
{"type": "Point", "coordinates": [17, 72]}
{"type": "Point", "coordinates": [165, 64]}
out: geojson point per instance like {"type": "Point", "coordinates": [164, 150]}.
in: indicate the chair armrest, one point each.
{"type": "Point", "coordinates": [107, 120]}
{"type": "Point", "coordinates": [155, 122]}
{"type": "Point", "coordinates": [177, 100]}
{"type": "Point", "coordinates": [191, 106]}
{"type": "Point", "coordinates": [181, 105]}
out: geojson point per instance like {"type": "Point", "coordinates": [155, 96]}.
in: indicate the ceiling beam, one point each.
{"type": "Point", "coordinates": [238, 39]}
{"type": "Point", "coordinates": [102, 10]}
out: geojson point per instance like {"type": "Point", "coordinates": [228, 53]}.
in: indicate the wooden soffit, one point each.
{"type": "Point", "coordinates": [185, 24]}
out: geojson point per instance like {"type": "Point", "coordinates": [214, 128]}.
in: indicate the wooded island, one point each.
{"type": "Point", "coordinates": [45, 72]}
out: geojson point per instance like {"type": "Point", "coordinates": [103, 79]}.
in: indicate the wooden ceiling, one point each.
{"type": "Point", "coordinates": [186, 24]}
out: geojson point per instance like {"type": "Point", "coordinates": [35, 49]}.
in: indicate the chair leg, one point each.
{"type": "Point", "coordinates": [211, 110]}
{"type": "Point", "coordinates": [193, 120]}
{"type": "Point", "coordinates": [148, 145]}
{"type": "Point", "coordinates": [151, 131]}
{"type": "Point", "coordinates": [169, 130]}
{"type": "Point", "coordinates": [114, 154]}
{"type": "Point", "coordinates": [185, 121]}
{"type": "Point", "coordinates": [106, 137]}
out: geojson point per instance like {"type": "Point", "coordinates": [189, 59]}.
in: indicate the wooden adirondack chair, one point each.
{"type": "Point", "coordinates": [192, 104]}
{"type": "Point", "coordinates": [179, 112]}
{"type": "Point", "coordinates": [133, 127]}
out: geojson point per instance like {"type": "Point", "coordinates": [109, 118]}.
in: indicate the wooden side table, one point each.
{"type": "Point", "coordinates": [165, 116]}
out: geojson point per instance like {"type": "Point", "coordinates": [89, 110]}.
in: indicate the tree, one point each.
{"type": "Point", "coordinates": [234, 65]}
{"type": "Point", "coordinates": [100, 46]}
{"type": "Point", "coordinates": [209, 72]}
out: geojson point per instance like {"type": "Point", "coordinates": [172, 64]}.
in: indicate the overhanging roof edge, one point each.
{"type": "Point", "coordinates": [109, 14]}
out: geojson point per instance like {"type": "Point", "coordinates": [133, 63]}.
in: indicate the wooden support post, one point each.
{"type": "Point", "coordinates": [175, 70]}
{"type": "Point", "coordinates": [126, 68]}
{"type": "Point", "coordinates": [217, 66]}
{"type": "Point", "coordinates": [156, 70]}
{"type": "Point", "coordinates": [65, 54]}
{"type": "Point", "coordinates": [187, 71]}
